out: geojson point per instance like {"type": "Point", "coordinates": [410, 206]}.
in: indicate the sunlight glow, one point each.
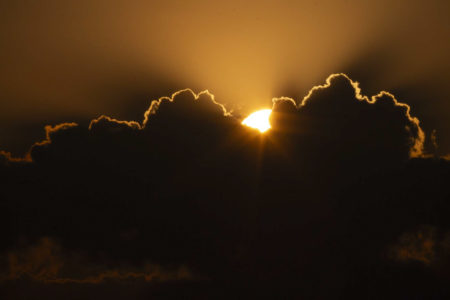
{"type": "Point", "coordinates": [259, 120]}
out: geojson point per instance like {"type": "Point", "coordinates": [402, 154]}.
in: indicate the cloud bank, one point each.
{"type": "Point", "coordinates": [317, 206]}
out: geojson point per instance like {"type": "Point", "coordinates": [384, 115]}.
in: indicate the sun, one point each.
{"type": "Point", "coordinates": [259, 120]}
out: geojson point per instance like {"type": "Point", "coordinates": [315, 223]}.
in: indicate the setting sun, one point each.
{"type": "Point", "coordinates": [259, 120]}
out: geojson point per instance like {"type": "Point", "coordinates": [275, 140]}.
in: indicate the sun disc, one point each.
{"type": "Point", "coordinates": [259, 120]}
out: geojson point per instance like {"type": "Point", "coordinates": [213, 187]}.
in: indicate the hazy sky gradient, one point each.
{"type": "Point", "coordinates": [74, 60]}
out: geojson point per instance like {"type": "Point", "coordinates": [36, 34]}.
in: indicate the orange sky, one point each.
{"type": "Point", "coordinates": [75, 60]}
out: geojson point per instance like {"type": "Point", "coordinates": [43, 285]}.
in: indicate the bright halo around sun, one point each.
{"type": "Point", "coordinates": [259, 120]}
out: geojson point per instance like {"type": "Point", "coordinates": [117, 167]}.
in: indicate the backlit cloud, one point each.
{"type": "Point", "coordinates": [338, 180]}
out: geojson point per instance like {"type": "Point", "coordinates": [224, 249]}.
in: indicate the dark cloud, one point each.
{"type": "Point", "coordinates": [7, 158]}
{"type": "Point", "coordinates": [47, 262]}
{"type": "Point", "coordinates": [416, 246]}
{"type": "Point", "coordinates": [350, 129]}
{"type": "Point", "coordinates": [312, 208]}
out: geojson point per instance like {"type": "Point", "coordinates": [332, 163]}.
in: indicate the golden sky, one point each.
{"type": "Point", "coordinates": [75, 60]}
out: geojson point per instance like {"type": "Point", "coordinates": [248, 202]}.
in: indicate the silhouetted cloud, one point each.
{"type": "Point", "coordinates": [311, 207]}
{"type": "Point", "coordinates": [47, 262]}
{"type": "Point", "coordinates": [418, 246]}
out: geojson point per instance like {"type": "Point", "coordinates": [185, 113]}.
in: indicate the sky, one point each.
{"type": "Point", "coordinates": [75, 60]}
{"type": "Point", "coordinates": [126, 171]}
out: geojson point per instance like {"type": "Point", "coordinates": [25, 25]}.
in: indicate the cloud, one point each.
{"type": "Point", "coordinates": [416, 246]}
{"type": "Point", "coordinates": [106, 122]}
{"type": "Point", "coordinates": [304, 207]}
{"type": "Point", "coordinates": [337, 113]}
{"type": "Point", "coordinates": [7, 157]}
{"type": "Point", "coordinates": [47, 262]}
{"type": "Point", "coordinates": [204, 102]}
{"type": "Point", "coordinates": [333, 113]}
